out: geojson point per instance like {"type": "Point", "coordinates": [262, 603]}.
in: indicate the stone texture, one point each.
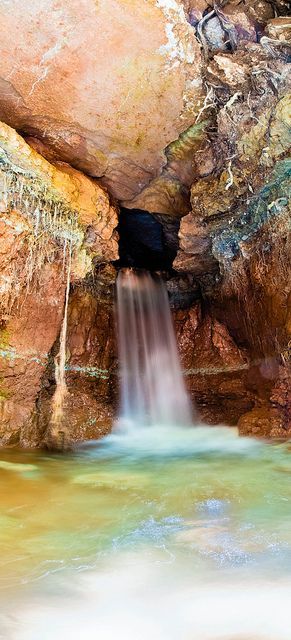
{"type": "Point", "coordinates": [272, 418]}
{"type": "Point", "coordinates": [91, 374]}
{"type": "Point", "coordinates": [262, 422]}
{"type": "Point", "coordinates": [25, 344]}
{"type": "Point", "coordinates": [237, 236]}
{"type": "Point", "coordinates": [171, 127]}
{"type": "Point", "coordinates": [279, 28]}
{"type": "Point", "coordinates": [253, 134]}
{"type": "Point", "coordinates": [66, 191]}
{"type": "Point", "coordinates": [281, 394]}
{"type": "Point", "coordinates": [52, 219]}
{"type": "Point", "coordinates": [216, 369]}
{"type": "Point", "coordinates": [242, 22]}
{"type": "Point", "coordinates": [107, 86]}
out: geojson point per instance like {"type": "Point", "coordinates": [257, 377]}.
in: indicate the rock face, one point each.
{"type": "Point", "coordinates": [107, 86]}
{"type": "Point", "coordinates": [26, 340]}
{"type": "Point", "coordinates": [91, 374]}
{"type": "Point", "coordinates": [236, 239]}
{"type": "Point", "coordinates": [216, 369]}
{"type": "Point", "coordinates": [51, 219]}
{"type": "Point", "coordinates": [180, 109]}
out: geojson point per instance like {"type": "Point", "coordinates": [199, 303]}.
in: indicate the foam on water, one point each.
{"type": "Point", "coordinates": [134, 599]}
{"type": "Point", "coordinates": [163, 441]}
{"type": "Point", "coordinates": [183, 534]}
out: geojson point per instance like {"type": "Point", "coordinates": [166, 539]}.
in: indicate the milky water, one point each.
{"type": "Point", "coordinates": [161, 530]}
{"type": "Point", "coordinates": [152, 390]}
{"type": "Point", "coordinates": [181, 534]}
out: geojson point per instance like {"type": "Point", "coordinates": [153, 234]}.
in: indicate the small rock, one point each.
{"type": "Point", "coordinates": [214, 34]}
{"type": "Point", "coordinates": [279, 29]}
{"type": "Point", "coordinates": [243, 25]}
{"type": "Point", "coordinates": [260, 11]}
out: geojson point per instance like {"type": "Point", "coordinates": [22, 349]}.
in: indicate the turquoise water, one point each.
{"type": "Point", "coordinates": [164, 534]}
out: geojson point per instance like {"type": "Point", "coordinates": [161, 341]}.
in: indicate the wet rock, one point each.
{"type": "Point", "coordinates": [215, 368]}
{"type": "Point", "coordinates": [64, 193]}
{"type": "Point", "coordinates": [206, 141]}
{"type": "Point", "coordinates": [91, 367]}
{"type": "Point", "coordinates": [182, 291]}
{"type": "Point", "coordinates": [25, 344]}
{"type": "Point", "coordinates": [50, 217]}
{"type": "Point", "coordinates": [169, 192]}
{"type": "Point", "coordinates": [281, 395]}
{"type": "Point", "coordinates": [233, 203]}
{"type": "Point", "coordinates": [262, 422]}
{"type": "Point", "coordinates": [85, 418]}
{"type": "Point", "coordinates": [195, 248]}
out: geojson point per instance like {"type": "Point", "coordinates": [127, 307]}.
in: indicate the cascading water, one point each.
{"type": "Point", "coordinates": [151, 383]}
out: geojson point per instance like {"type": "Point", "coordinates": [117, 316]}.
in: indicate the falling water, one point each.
{"type": "Point", "coordinates": [151, 385]}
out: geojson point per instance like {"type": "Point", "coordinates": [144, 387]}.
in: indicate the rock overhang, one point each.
{"type": "Point", "coordinates": [108, 92]}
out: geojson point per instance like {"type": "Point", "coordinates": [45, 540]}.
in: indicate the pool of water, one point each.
{"type": "Point", "coordinates": [181, 534]}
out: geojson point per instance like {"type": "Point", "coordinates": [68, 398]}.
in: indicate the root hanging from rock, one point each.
{"type": "Point", "coordinates": [57, 436]}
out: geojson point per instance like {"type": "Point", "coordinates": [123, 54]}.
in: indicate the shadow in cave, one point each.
{"type": "Point", "coordinates": [147, 241]}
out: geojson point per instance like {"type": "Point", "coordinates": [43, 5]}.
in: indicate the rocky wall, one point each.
{"type": "Point", "coordinates": [186, 115]}
{"type": "Point", "coordinates": [55, 223]}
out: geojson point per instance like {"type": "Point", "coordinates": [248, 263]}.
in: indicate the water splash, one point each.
{"type": "Point", "coordinates": [151, 383]}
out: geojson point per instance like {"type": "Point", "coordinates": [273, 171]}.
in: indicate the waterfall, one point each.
{"type": "Point", "coordinates": [152, 390]}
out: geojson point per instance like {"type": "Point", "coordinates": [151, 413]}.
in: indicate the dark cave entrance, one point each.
{"type": "Point", "coordinates": [147, 240]}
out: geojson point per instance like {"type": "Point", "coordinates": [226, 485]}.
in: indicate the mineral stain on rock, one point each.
{"type": "Point", "coordinates": [178, 110]}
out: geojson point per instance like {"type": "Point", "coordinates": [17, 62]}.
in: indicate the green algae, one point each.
{"type": "Point", "coordinates": [181, 147]}
{"type": "Point", "coordinates": [4, 338]}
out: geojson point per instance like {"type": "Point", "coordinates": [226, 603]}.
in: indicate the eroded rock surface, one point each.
{"type": "Point", "coordinates": [180, 109]}
{"type": "Point", "coordinates": [52, 219]}
{"type": "Point", "coordinates": [91, 367]}
{"type": "Point", "coordinates": [216, 369]}
{"type": "Point", "coordinates": [108, 86]}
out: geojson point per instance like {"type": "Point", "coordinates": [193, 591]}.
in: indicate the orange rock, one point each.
{"type": "Point", "coordinates": [106, 85]}
{"type": "Point", "coordinates": [262, 422]}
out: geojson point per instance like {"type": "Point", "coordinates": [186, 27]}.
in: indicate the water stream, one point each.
{"type": "Point", "coordinates": [151, 381]}
{"type": "Point", "coordinates": [170, 532]}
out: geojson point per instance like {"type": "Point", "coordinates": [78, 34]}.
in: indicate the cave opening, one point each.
{"type": "Point", "coordinates": [147, 240]}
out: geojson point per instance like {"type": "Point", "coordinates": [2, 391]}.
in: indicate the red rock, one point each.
{"type": "Point", "coordinates": [58, 205]}
{"type": "Point", "coordinates": [281, 395]}
{"type": "Point", "coordinates": [28, 337]}
{"type": "Point", "coordinates": [262, 422]}
{"type": "Point", "coordinates": [215, 369]}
